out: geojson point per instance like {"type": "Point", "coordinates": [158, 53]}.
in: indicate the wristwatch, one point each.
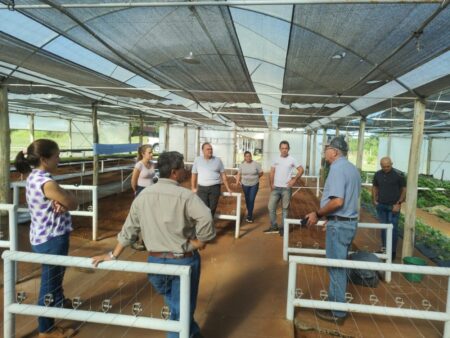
{"type": "Point", "coordinates": [111, 256]}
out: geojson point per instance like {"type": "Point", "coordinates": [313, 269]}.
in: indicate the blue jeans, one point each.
{"type": "Point", "coordinates": [169, 287]}
{"type": "Point", "coordinates": [385, 215]}
{"type": "Point", "coordinates": [339, 237]}
{"type": "Point", "coordinates": [250, 192]}
{"type": "Point", "coordinates": [277, 194]}
{"type": "Point", "coordinates": [139, 188]}
{"type": "Point", "coordinates": [52, 276]}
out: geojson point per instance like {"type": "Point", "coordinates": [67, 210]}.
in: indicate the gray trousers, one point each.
{"type": "Point", "coordinates": [210, 196]}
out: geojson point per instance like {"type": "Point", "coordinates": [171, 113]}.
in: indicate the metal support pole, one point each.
{"type": "Point", "coordinates": [94, 141]}
{"type": "Point", "coordinates": [412, 179]}
{"type": "Point", "coordinates": [70, 137]}
{"type": "Point", "coordinates": [430, 147]}
{"type": "Point", "coordinates": [234, 148]}
{"type": "Point", "coordinates": [198, 141]}
{"type": "Point", "coordinates": [337, 131]}
{"type": "Point", "coordinates": [238, 215]}
{"type": "Point", "coordinates": [141, 130]}
{"type": "Point", "coordinates": [9, 327]}
{"type": "Point", "coordinates": [31, 127]}
{"type": "Point", "coordinates": [185, 142]}
{"type": "Point", "coordinates": [95, 211]}
{"type": "Point", "coordinates": [322, 161]}
{"type": "Point", "coordinates": [447, 310]}
{"type": "Point", "coordinates": [360, 153]}
{"type": "Point", "coordinates": [185, 321]}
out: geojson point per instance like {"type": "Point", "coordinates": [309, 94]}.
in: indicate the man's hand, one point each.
{"type": "Point", "coordinates": [58, 208]}
{"type": "Point", "coordinates": [396, 207]}
{"type": "Point", "coordinates": [312, 219]}
{"type": "Point", "coordinates": [292, 182]}
{"type": "Point", "coordinates": [197, 244]}
{"type": "Point", "coordinates": [96, 260]}
{"type": "Point", "coordinates": [194, 190]}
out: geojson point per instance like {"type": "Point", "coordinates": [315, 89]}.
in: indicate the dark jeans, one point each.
{"type": "Point", "coordinates": [210, 196]}
{"type": "Point", "coordinates": [52, 277]}
{"type": "Point", "coordinates": [169, 287]}
{"type": "Point", "coordinates": [250, 192]}
{"type": "Point", "coordinates": [138, 190]}
{"type": "Point", "coordinates": [385, 215]}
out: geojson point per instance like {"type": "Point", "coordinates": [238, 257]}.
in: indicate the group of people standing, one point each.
{"type": "Point", "coordinates": [175, 222]}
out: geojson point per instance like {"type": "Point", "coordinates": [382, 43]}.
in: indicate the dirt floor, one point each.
{"type": "Point", "coordinates": [243, 282]}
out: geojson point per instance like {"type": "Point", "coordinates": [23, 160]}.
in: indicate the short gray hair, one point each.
{"type": "Point", "coordinates": [169, 160]}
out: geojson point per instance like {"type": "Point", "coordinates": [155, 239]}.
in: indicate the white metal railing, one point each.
{"type": "Point", "coordinates": [237, 216]}
{"type": "Point", "coordinates": [387, 256]}
{"type": "Point", "coordinates": [13, 241]}
{"type": "Point", "coordinates": [293, 301]}
{"type": "Point", "coordinates": [87, 213]}
{"type": "Point", "coordinates": [11, 307]}
{"type": "Point", "coordinates": [317, 187]}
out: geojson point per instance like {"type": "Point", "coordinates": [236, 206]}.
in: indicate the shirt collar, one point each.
{"type": "Point", "coordinates": [168, 181]}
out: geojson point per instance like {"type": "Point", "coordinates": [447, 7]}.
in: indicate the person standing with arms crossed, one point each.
{"type": "Point", "coordinates": [51, 224]}
{"type": "Point", "coordinates": [339, 204]}
{"type": "Point", "coordinates": [388, 194]}
{"type": "Point", "coordinates": [248, 175]}
{"type": "Point", "coordinates": [144, 170]}
{"type": "Point", "coordinates": [172, 235]}
{"type": "Point", "coordinates": [207, 172]}
{"type": "Point", "coordinates": [281, 182]}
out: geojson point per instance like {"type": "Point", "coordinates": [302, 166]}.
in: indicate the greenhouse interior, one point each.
{"type": "Point", "coordinates": [301, 148]}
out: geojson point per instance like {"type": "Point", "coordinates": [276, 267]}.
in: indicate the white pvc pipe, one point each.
{"type": "Point", "coordinates": [236, 217]}
{"type": "Point", "coordinates": [13, 242]}
{"type": "Point", "coordinates": [311, 251]}
{"type": "Point", "coordinates": [181, 326]}
{"type": "Point", "coordinates": [292, 278]}
{"type": "Point", "coordinates": [95, 212]}
{"type": "Point", "coordinates": [344, 263]}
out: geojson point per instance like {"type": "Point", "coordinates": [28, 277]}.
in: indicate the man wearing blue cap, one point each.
{"type": "Point", "coordinates": [339, 205]}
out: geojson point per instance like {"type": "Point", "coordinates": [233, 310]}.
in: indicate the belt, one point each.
{"type": "Point", "coordinates": [340, 218]}
{"type": "Point", "coordinates": [171, 254]}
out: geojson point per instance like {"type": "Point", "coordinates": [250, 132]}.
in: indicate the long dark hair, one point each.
{"type": "Point", "coordinates": [41, 148]}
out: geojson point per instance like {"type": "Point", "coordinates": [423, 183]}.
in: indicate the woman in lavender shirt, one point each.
{"type": "Point", "coordinates": [144, 170]}
{"type": "Point", "coordinates": [51, 223]}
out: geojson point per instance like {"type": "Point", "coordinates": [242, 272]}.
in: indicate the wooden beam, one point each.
{"type": "Point", "coordinates": [360, 151]}
{"type": "Point", "coordinates": [5, 144]}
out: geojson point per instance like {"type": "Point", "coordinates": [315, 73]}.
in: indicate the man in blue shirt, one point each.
{"type": "Point", "coordinates": [339, 205]}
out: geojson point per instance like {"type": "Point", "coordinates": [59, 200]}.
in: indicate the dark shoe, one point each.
{"type": "Point", "coordinates": [139, 246]}
{"type": "Point", "coordinates": [329, 317]}
{"type": "Point", "coordinates": [272, 230]}
{"type": "Point", "coordinates": [197, 335]}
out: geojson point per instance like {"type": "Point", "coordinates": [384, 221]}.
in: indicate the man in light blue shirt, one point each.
{"type": "Point", "coordinates": [207, 172]}
{"type": "Point", "coordinates": [339, 205]}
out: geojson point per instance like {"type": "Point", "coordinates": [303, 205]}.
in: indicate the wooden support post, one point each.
{"type": "Point", "coordinates": [234, 147]}
{"type": "Point", "coordinates": [430, 148]}
{"type": "Point", "coordinates": [308, 151]}
{"type": "Point", "coordinates": [70, 137]}
{"type": "Point", "coordinates": [412, 180]}
{"type": "Point", "coordinates": [141, 130]}
{"type": "Point", "coordinates": [94, 141]}
{"type": "Point", "coordinates": [322, 161]}
{"type": "Point", "coordinates": [166, 139]}
{"type": "Point", "coordinates": [314, 153]}
{"type": "Point", "coordinates": [5, 144]}
{"type": "Point", "coordinates": [337, 131]}
{"type": "Point", "coordinates": [360, 151]}
{"type": "Point", "coordinates": [198, 141]}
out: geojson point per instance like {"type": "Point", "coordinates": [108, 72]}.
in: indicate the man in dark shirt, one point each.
{"type": "Point", "coordinates": [388, 193]}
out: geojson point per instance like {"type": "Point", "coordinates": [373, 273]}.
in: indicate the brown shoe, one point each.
{"type": "Point", "coordinates": [58, 332]}
{"type": "Point", "coordinates": [329, 317]}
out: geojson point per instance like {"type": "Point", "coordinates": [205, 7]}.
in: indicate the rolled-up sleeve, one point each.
{"type": "Point", "coordinates": [131, 228]}
{"type": "Point", "coordinates": [194, 169]}
{"type": "Point", "coordinates": [200, 215]}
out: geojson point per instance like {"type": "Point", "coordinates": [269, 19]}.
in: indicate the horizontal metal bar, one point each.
{"type": "Point", "coordinates": [373, 309]}
{"type": "Point", "coordinates": [322, 252]}
{"type": "Point", "coordinates": [217, 3]}
{"type": "Point", "coordinates": [84, 262]}
{"type": "Point", "coordinates": [96, 317]}
{"type": "Point", "coordinates": [227, 217]}
{"type": "Point", "coordinates": [342, 263]}
{"type": "Point", "coordinates": [5, 244]}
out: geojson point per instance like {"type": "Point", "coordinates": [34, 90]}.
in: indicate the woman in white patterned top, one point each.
{"type": "Point", "coordinates": [144, 170]}
{"type": "Point", "coordinates": [51, 223]}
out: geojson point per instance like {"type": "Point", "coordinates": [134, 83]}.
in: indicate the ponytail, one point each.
{"type": "Point", "coordinates": [21, 163]}
{"type": "Point", "coordinates": [31, 156]}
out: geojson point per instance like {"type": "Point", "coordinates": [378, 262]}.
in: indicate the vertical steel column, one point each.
{"type": "Point", "coordinates": [94, 141]}
{"type": "Point", "coordinates": [185, 142]}
{"type": "Point", "coordinates": [238, 215]}
{"type": "Point", "coordinates": [95, 211]}
{"type": "Point", "coordinates": [308, 152]}
{"type": "Point", "coordinates": [166, 139]}
{"type": "Point", "coordinates": [412, 179]}
{"type": "Point", "coordinates": [314, 153]}
{"type": "Point", "coordinates": [9, 327]}
{"type": "Point", "coordinates": [185, 295]}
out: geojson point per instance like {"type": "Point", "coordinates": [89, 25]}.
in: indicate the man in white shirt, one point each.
{"type": "Point", "coordinates": [281, 182]}
{"type": "Point", "coordinates": [207, 172]}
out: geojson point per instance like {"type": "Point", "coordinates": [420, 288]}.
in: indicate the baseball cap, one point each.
{"type": "Point", "coordinates": [338, 142]}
